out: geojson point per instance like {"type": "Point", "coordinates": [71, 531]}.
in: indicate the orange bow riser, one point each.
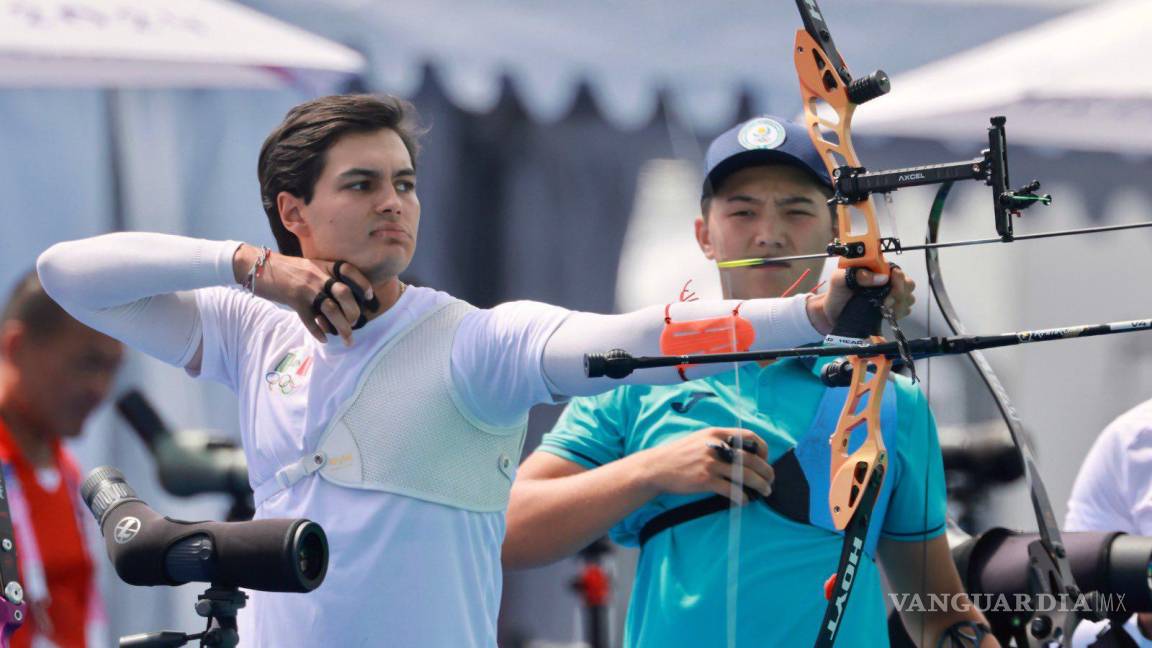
{"type": "Point", "coordinates": [821, 83]}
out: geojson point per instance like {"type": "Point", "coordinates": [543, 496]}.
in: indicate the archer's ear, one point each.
{"type": "Point", "coordinates": [291, 210]}
{"type": "Point", "coordinates": [704, 238]}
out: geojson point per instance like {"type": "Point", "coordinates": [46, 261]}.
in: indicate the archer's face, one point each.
{"type": "Point", "coordinates": [364, 208]}
{"type": "Point", "coordinates": [766, 211]}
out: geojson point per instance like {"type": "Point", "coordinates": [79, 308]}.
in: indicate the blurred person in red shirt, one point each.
{"type": "Point", "coordinates": [53, 372]}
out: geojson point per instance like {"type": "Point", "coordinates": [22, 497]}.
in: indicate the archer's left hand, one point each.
{"type": "Point", "coordinates": [823, 309]}
{"type": "Point", "coordinates": [900, 299]}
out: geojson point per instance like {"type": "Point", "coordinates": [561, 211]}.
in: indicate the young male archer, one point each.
{"type": "Point", "coordinates": [641, 462]}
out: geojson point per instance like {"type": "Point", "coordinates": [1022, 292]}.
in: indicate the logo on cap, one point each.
{"type": "Point", "coordinates": [761, 133]}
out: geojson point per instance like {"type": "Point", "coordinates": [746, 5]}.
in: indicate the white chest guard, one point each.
{"type": "Point", "coordinates": [405, 431]}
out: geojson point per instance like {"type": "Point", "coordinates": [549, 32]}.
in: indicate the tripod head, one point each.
{"type": "Point", "coordinates": [219, 605]}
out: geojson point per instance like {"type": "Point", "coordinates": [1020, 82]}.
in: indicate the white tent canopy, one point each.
{"type": "Point", "coordinates": [699, 58]}
{"type": "Point", "coordinates": [142, 44]}
{"type": "Point", "coordinates": [1073, 82]}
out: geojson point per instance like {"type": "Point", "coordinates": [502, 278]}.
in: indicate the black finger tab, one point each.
{"type": "Point", "coordinates": [357, 294]}
{"type": "Point", "coordinates": [317, 302]}
{"type": "Point", "coordinates": [366, 305]}
{"type": "Point", "coordinates": [723, 453]}
{"type": "Point", "coordinates": [747, 445]}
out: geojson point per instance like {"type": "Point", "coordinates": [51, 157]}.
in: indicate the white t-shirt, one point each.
{"type": "Point", "coordinates": [1113, 492]}
{"type": "Point", "coordinates": [402, 572]}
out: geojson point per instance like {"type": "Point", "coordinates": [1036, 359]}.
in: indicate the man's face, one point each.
{"type": "Point", "coordinates": [364, 208]}
{"type": "Point", "coordinates": [64, 375]}
{"type": "Point", "coordinates": [766, 211]}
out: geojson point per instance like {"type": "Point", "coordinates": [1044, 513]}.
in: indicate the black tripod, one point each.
{"type": "Point", "coordinates": [219, 605]}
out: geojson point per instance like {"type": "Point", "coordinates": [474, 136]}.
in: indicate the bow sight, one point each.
{"type": "Point", "coordinates": [853, 184]}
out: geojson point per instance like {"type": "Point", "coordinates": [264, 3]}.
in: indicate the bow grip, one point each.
{"type": "Point", "coordinates": [862, 315]}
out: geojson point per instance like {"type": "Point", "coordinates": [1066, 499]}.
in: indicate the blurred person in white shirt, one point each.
{"type": "Point", "coordinates": [1113, 492]}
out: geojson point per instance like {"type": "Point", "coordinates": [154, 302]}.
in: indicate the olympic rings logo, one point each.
{"type": "Point", "coordinates": [282, 381]}
{"type": "Point", "coordinates": [283, 375]}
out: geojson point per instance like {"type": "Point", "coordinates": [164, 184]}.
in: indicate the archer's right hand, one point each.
{"type": "Point", "coordinates": [310, 288]}
{"type": "Point", "coordinates": [696, 464]}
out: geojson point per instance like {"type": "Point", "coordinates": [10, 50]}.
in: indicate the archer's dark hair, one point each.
{"type": "Point", "coordinates": [294, 154]}
{"type": "Point", "coordinates": [30, 305]}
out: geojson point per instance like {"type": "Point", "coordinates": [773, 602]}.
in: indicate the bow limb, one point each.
{"type": "Point", "coordinates": [1050, 572]}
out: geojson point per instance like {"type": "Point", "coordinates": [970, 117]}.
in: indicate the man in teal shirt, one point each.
{"type": "Point", "coordinates": [615, 462]}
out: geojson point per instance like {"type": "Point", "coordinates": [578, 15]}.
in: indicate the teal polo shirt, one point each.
{"type": "Point", "coordinates": [681, 590]}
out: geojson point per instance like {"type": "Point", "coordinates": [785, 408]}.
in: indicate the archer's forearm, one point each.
{"type": "Point", "coordinates": [764, 324]}
{"type": "Point", "coordinates": [552, 518]}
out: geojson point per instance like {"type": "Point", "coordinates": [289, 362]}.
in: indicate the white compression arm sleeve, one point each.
{"type": "Point", "coordinates": [778, 323]}
{"type": "Point", "coordinates": [136, 287]}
